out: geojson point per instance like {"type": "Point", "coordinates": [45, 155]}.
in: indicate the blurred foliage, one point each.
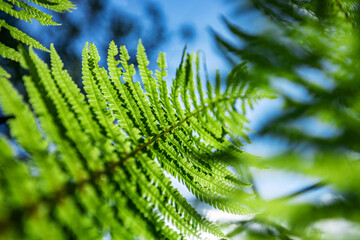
{"type": "Point", "coordinates": [14, 12]}
{"type": "Point", "coordinates": [102, 20]}
{"type": "Point", "coordinates": [311, 48]}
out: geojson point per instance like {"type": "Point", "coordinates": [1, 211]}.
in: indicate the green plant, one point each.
{"type": "Point", "coordinates": [83, 166]}
{"type": "Point", "coordinates": [96, 164]}
{"type": "Point", "coordinates": [311, 47]}
{"type": "Point", "coordinates": [28, 12]}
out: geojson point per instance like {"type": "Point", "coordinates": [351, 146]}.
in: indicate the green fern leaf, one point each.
{"type": "Point", "coordinates": [8, 8]}
{"type": "Point", "coordinates": [150, 86]}
{"type": "Point", "coordinates": [111, 96]}
{"type": "Point", "coordinates": [4, 73]}
{"type": "Point", "coordinates": [92, 75]}
{"type": "Point", "coordinates": [12, 104]}
{"type": "Point", "coordinates": [10, 53]}
{"type": "Point", "coordinates": [136, 91]}
{"type": "Point", "coordinates": [111, 149]}
{"type": "Point", "coordinates": [27, 13]}
{"type": "Point", "coordinates": [55, 5]}
{"type": "Point", "coordinates": [73, 96]}
{"type": "Point", "coordinates": [23, 37]}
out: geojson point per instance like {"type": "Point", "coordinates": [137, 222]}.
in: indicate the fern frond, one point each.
{"type": "Point", "coordinates": [8, 8]}
{"type": "Point", "coordinates": [136, 92]}
{"type": "Point", "coordinates": [175, 89]}
{"type": "Point", "coordinates": [21, 36]}
{"type": "Point", "coordinates": [4, 73]}
{"type": "Point", "coordinates": [23, 126]}
{"type": "Point", "coordinates": [168, 111]}
{"type": "Point", "coordinates": [150, 86]}
{"type": "Point", "coordinates": [111, 149]}
{"type": "Point", "coordinates": [174, 198]}
{"type": "Point", "coordinates": [27, 13]}
{"type": "Point", "coordinates": [119, 111]}
{"type": "Point", "coordinates": [127, 94]}
{"type": "Point", "coordinates": [92, 75]}
{"type": "Point", "coordinates": [41, 70]}
{"type": "Point", "coordinates": [70, 123]}
{"type": "Point", "coordinates": [74, 97]}
{"type": "Point", "coordinates": [25, 131]}
{"type": "Point", "coordinates": [55, 5]}
{"type": "Point", "coordinates": [10, 53]}
{"type": "Point", "coordinates": [48, 122]}
{"type": "Point", "coordinates": [158, 193]}
{"type": "Point", "coordinates": [11, 194]}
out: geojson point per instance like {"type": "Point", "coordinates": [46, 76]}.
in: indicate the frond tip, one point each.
{"type": "Point", "coordinates": [104, 157]}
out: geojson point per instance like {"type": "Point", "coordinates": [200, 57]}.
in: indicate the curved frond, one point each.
{"type": "Point", "coordinates": [10, 53]}
{"type": "Point", "coordinates": [21, 36]}
{"type": "Point", "coordinates": [111, 149]}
